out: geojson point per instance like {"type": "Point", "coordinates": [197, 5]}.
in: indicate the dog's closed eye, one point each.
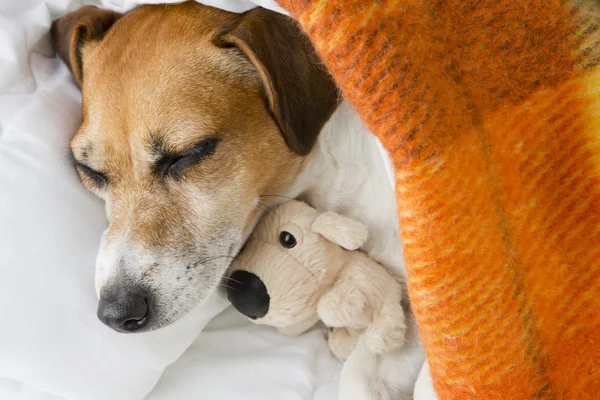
{"type": "Point", "coordinates": [99, 179]}
{"type": "Point", "coordinates": [174, 165]}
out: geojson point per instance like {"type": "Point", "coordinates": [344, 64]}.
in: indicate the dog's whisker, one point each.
{"type": "Point", "coordinates": [232, 280]}
{"type": "Point", "coordinates": [270, 210]}
{"type": "Point", "coordinates": [266, 206]}
{"type": "Point", "coordinates": [277, 195]}
{"type": "Point", "coordinates": [261, 207]}
{"type": "Point", "coordinates": [227, 287]}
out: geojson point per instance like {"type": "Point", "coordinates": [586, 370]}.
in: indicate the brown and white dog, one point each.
{"type": "Point", "coordinates": [195, 120]}
{"type": "Point", "coordinates": [190, 115]}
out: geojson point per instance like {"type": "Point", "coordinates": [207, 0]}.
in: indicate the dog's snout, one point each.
{"type": "Point", "coordinates": [248, 294]}
{"type": "Point", "coordinates": [124, 310]}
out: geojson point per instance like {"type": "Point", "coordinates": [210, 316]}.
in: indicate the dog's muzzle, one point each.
{"type": "Point", "coordinates": [248, 294]}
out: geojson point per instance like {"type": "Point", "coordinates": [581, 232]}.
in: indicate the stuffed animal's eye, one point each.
{"type": "Point", "coordinates": [287, 240]}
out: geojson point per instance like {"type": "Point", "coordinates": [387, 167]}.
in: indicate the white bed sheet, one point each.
{"type": "Point", "coordinates": [233, 359]}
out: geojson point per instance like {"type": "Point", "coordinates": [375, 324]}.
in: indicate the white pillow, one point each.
{"type": "Point", "coordinates": [49, 233]}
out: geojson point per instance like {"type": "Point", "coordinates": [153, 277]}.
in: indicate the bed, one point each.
{"type": "Point", "coordinates": [490, 112]}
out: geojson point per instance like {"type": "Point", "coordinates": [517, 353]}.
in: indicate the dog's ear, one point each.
{"type": "Point", "coordinates": [343, 231]}
{"type": "Point", "coordinates": [300, 92]}
{"type": "Point", "coordinates": [72, 32]}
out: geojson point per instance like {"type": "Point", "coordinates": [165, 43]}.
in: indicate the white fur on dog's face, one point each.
{"type": "Point", "coordinates": [182, 267]}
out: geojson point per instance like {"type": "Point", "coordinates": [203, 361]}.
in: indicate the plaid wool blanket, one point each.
{"type": "Point", "coordinates": [490, 110]}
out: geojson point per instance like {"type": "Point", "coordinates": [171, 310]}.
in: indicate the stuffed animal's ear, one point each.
{"type": "Point", "coordinates": [71, 33]}
{"type": "Point", "coordinates": [300, 93]}
{"type": "Point", "coordinates": [346, 232]}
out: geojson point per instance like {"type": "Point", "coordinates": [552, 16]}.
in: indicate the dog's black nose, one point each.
{"type": "Point", "coordinates": [124, 309]}
{"type": "Point", "coordinates": [248, 294]}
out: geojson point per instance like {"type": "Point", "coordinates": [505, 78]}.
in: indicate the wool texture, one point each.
{"type": "Point", "coordinates": [490, 110]}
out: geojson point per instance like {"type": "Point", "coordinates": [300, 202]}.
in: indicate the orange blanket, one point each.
{"type": "Point", "coordinates": [491, 112]}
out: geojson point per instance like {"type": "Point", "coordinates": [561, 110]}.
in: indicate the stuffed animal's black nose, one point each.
{"type": "Point", "coordinates": [124, 309]}
{"type": "Point", "coordinates": [248, 294]}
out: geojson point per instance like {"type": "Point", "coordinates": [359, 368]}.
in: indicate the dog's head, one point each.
{"type": "Point", "coordinates": [190, 115]}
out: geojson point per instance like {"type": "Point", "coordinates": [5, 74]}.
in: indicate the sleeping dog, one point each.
{"type": "Point", "coordinates": [196, 121]}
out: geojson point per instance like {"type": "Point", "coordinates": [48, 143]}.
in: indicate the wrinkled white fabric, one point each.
{"type": "Point", "coordinates": [229, 5]}
{"type": "Point", "coordinates": [234, 360]}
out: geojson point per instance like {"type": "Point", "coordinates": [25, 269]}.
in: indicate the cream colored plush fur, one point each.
{"type": "Point", "coordinates": [322, 277]}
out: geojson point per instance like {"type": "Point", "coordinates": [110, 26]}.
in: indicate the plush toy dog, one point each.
{"type": "Point", "coordinates": [299, 267]}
